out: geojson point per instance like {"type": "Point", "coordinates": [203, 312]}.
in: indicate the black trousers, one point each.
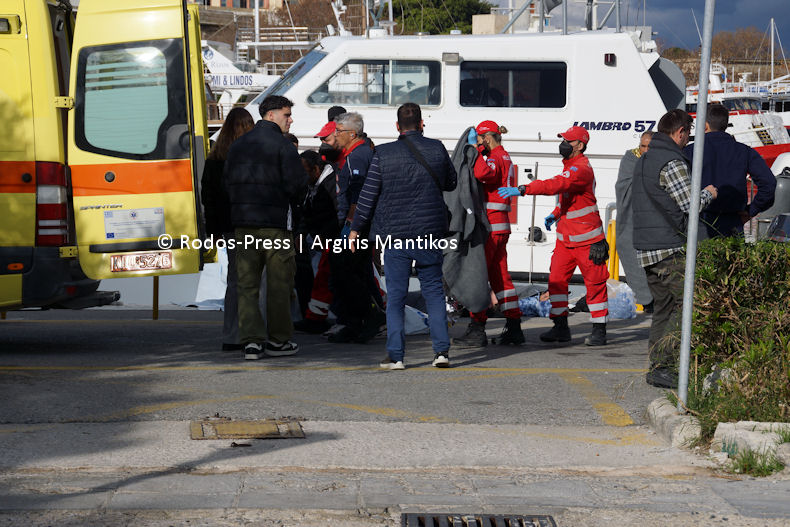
{"type": "Point", "coordinates": [350, 276]}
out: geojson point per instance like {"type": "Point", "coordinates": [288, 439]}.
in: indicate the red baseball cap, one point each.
{"type": "Point", "coordinates": [327, 130]}
{"type": "Point", "coordinates": [576, 133]}
{"type": "Point", "coordinates": [486, 127]}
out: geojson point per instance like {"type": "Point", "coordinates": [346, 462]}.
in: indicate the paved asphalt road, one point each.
{"type": "Point", "coordinates": [94, 430]}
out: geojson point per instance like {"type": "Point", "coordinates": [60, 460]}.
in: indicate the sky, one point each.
{"type": "Point", "coordinates": [673, 22]}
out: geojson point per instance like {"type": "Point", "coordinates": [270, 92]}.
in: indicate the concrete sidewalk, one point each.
{"type": "Point", "coordinates": [366, 473]}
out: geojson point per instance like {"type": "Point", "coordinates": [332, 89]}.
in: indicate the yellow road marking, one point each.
{"type": "Point", "coordinates": [637, 438]}
{"type": "Point", "coordinates": [611, 412]}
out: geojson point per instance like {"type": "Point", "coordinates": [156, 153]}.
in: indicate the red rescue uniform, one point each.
{"type": "Point", "coordinates": [578, 226]}
{"type": "Point", "coordinates": [497, 171]}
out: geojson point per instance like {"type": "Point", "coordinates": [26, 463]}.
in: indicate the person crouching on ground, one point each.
{"type": "Point", "coordinates": [580, 238]}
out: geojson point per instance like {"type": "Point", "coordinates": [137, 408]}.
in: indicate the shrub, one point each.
{"type": "Point", "coordinates": [741, 323]}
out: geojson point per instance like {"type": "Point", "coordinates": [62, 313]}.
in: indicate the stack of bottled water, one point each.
{"type": "Point", "coordinates": [531, 306]}
{"type": "Point", "coordinates": [622, 303]}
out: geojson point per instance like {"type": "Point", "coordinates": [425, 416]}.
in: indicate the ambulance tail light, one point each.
{"type": "Point", "coordinates": [52, 226]}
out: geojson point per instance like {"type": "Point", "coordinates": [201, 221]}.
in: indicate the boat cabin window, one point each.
{"type": "Point", "coordinates": [131, 100]}
{"type": "Point", "coordinates": [742, 104]}
{"type": "Point", "coordinates": [382, 83]}
{"type": "Point", "coordinates": [292, 75]}
{"type": "Point", "coordinates": [514, 84]}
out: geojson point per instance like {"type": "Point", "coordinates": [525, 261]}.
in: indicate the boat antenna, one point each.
{"type": "Point", "coordinates": [450, 14]}
{"type": "Point", "coordinates": [697, 26]}
{"type": "Point", "coordinates": [782, 49]}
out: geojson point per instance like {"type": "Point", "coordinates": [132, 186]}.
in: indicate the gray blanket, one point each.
{"type": "Point", "coordinates": [465, 271]}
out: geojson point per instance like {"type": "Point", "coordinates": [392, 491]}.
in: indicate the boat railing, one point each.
{"type": "Point", "coordinates": [279, 34]}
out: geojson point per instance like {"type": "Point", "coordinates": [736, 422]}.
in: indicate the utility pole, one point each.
{"type": "Point", "coordinates": [256, 12]}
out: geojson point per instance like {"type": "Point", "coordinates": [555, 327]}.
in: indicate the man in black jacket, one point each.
{"type": "Point", "coordinates": [263, 175]}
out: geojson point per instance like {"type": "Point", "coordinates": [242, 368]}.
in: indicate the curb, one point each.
{"type": "Point", "coordinates": [758, 437]}
{"type": "Point", "coordinates": [676, 429]}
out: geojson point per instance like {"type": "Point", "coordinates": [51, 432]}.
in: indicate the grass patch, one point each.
{"type": "Point", "coordinates": [784, 434]}
{"type": "Point", "coordinates": [741, 324]}
{"type": "Point", "coordinates": [755, 464]}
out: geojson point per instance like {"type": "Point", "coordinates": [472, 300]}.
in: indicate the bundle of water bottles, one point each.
{"type": "Point", "coordinates": [622, 303]}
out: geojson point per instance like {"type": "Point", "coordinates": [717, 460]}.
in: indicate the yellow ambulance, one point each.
{"type": "Point", "coordinates": [102, 140]}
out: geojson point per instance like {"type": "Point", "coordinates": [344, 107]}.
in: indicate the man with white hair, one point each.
{"type": "Point", "coordinates": [350, 273]}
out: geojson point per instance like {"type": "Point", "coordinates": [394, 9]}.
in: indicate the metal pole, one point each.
{"type": "Point", "coordinates": [595, 14]}
{"type": "Point", "coordinates": [773, 28]}
{"type": "Point", "coordinates": [515, 17]}
{"type": "Point", "coordinates": [606, 16]}
{"type": "Point", "coordinates": [696, 180]}
{"type": "Point", "coordinates": [532, 227]}
{"type": "Point", "coordinates": [155, 300]}
{"type": "Point", "coordinates": [257, 12]}
{"type": "Point", "coordinates": [619, 27]}
{"type": "Point", "coordinates": [542, 12]}
{"type": "Point", "coordinates": [564, 18]}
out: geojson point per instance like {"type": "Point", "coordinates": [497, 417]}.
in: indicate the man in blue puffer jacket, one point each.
{"type": "Point", "coordinates": [725, 165]}
{"type": "Point", "coordinates": [402, 196]}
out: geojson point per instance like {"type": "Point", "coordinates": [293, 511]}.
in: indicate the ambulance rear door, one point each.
{"type": "Point", "coordinates": [137, 137]}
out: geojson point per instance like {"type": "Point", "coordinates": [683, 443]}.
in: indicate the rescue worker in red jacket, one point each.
{"type": "Point", "coordinates": [494, 169]}
{"type": "Point", "coordinates": [580, 238]}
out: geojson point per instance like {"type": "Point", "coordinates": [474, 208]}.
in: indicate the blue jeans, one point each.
{"type": "Point", "coordinates": [397, 267]}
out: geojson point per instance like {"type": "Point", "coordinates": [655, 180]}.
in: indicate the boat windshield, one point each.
{"type": "Point", "coordinates": [292, 75]}
{"type": "Point", "coordinates": [742, 104]}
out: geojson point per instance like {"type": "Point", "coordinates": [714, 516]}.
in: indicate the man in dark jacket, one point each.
{"type": "Point", "coordinates": [403, 200]}
{"type": "Point", "coordinates": [263, 176]}
{"type": "Point", "coordinates": [726, 163]}
{"type": "Point", "coordinates": [662, 187]}
{"type": "Point", "coordinates": [351, 274]}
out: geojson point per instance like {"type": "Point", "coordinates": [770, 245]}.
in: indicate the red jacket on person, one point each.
{"type": "Point", "coordinates": [496, 171]}
{"type": "Point", "coordinates": [578, 221]}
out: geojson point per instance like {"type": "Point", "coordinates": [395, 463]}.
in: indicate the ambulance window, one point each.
{"type": "Point", "coordinates": [131, 100]}
{"type": "Point", "coordinates": [382, 83]}
{"type": "Point", "coordinates": [513, 84]}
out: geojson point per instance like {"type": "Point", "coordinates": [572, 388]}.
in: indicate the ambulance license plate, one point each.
{"type": "Point", "coordinates": [141, 261]}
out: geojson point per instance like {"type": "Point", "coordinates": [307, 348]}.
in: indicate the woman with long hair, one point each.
{"type": "Point", "coordinates": [216, 208]}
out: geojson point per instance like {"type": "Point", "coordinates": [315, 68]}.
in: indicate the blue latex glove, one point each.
{"type": "Point", "coordinates": [345, 231]}
{"type": "Point", "coordinates": [508, 192]}
{"type": "Point", "coordinates": [549, 221]}
{"type": "Point", "coordinates": [472, 137]}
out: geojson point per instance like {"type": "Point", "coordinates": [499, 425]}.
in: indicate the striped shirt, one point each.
{"type": "Point", "coordinates": [675, 180]}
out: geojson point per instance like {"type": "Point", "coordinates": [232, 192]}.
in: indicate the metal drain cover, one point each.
{"type": "Point", "coordinates": [416, 519]}
{"type": "Point", "coordinates": [225, 428]}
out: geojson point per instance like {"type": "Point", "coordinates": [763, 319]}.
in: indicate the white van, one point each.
{"type": "Point", "coordinates": [535, 84]}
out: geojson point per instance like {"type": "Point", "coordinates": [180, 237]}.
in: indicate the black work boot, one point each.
{"type": "Point", "coordinates": [475, 336]}
{"type": "Point", "coordinates": [559, 333]}
{"type": "Point", "coordinates": [598, 335]}
{"type": "Point", "coordinates": [512, 333]}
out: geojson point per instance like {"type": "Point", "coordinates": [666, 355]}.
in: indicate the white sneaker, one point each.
{"type": "Point", "coordinates": [389, 364]}
{"type": "Point", "coordinates": [441, 360]}
{"type": "Point", "coordinates": [281, 350]}
{"type": "Point", "coordinates": [334, 329]}
{"type": "Point", "coordinates": [253, 351]}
